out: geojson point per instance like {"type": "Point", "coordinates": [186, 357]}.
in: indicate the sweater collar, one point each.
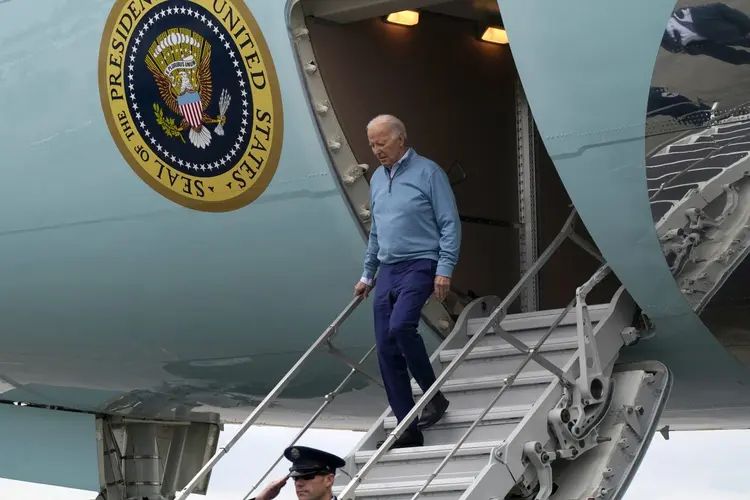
{"type": "Point", "coordinates": [391, 171]}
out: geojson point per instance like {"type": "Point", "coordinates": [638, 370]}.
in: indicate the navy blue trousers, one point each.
{"type": "Point", "coordinates": [400, 294]}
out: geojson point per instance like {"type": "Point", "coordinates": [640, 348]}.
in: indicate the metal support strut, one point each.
{"type": "Point", "coordinates": [591, 383]}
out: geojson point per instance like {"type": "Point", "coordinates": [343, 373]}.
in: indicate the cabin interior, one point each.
{"type": "Point", "coordinates": [457, 94]}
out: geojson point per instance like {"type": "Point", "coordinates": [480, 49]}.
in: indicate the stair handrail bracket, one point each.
{"type": "Point", "coordinates": [493, 321]}
{"type": "Point", "coordinates": [322, 342]}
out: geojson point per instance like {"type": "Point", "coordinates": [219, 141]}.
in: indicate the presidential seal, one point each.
{"type": "Point", "coordinates": [192, 100]}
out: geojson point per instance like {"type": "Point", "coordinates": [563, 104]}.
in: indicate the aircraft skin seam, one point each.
{"type": "Point", "coordinates": [592, 132]}
{"type": "Point", "coordinates": [300, 179]}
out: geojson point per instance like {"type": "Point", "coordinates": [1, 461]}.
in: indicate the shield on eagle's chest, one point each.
{"type": "Point", "coordinates": [191, 108]}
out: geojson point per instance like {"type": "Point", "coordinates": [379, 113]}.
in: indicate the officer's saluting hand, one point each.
{"type": "Point", "coordinates": [272, 490]}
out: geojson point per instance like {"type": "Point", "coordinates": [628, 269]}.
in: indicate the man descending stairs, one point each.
{"type": "Point", "coordinates": [415, 236]}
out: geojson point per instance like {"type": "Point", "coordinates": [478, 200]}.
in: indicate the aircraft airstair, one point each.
{"type": "Point", "coordinates": [539, 408]}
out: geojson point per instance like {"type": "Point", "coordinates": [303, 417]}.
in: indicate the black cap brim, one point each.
{"type": "Point", "coordinates": [307, 472]}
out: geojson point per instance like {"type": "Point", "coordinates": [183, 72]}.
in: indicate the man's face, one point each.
{"type": "Point", "coordinates": [313, 488]}
{"type": "Point", "coordinates": [387, 146]}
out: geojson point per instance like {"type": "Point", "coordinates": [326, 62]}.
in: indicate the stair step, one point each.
{"type": "Point", "coordinates": [496, 425]}
{"type": "Point", "coordinates": [541, 319]}
{"type": "Point", "coordinates": [528, 337]}
{"type": "Point", "coordinates": [460, 417]}
{"type": "Point", "coordinates": [497, 351]}
{"type": "Point", "coordinates": [439, 489]}
{"type": "Point", "coordinates": [491, 360]}
{"type": "Point", "coordinates": [477, 392]}
{"type": "Point", "coordinates": [488, 382]}
{"type": "Point", "coordinates": [427, 452]}
{"type": "Point", "coordinates": [530, 327]}
{"type": "Point", "coordinates": [415, 464]}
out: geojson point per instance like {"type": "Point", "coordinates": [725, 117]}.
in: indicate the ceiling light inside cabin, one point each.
{"type": "Point", "coordinates": [404, 17]}
{"type": "Point", "coordinates": [495, 35]}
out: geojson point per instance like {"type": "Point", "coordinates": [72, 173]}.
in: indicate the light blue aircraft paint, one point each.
{"type": "Point", "coordinates": [63, 449]}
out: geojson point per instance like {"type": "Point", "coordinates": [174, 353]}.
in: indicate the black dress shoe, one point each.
{"type": "Point", "coordinates": [409, 439]}
{"type": "Point", "coordinates": [434, 411]}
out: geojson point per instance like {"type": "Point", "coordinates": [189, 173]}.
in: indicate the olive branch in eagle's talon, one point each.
{"type": "Point", "coordinates": [167, 124]}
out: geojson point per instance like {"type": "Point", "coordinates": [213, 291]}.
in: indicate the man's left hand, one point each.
{"type": "Point", "coordinates": [442, 285]}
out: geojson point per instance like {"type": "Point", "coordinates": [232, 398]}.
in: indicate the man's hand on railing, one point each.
{"type": "Point", "coordinates": [272, 490]}
{"type": "Point", "coordinates": [442, 286]}
{"type": "Point", "coordinates": [362, 289]}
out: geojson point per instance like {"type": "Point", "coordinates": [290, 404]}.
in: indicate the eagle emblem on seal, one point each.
{"type": "Point", "coordinates": [180, 62]}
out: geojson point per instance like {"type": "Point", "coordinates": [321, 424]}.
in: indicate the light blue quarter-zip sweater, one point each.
{"type": "Point", "coordinates": [414, 216]}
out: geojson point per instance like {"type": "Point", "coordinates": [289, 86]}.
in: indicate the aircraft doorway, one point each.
{"type": "Point", "coordinates": [463, 107]}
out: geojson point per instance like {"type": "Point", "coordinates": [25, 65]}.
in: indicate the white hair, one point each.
{"type": "Point", "coordinates": [395, 125]}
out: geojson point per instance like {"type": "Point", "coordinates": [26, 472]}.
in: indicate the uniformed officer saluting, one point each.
{"type": "Point", "coordinates": [312, 471]}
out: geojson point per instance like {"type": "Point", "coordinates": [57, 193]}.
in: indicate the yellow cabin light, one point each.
{"type": "Point", "coordinates": [404, 18]}
{"type": "Point", "coordinates": [495, 35]}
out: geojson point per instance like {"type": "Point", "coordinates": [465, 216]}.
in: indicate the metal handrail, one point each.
{"type": "Point", "coordinates": [493, 320]}
{"type": "Point", "coordinates": [328, 400]}
{"type": "Point", "coordinates": [509, 381]}
{"type": "Point", "coordinates": [324, 339]}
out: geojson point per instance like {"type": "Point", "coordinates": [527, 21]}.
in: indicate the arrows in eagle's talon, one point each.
{"type": "Point", "coordinates": [224, 101]}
